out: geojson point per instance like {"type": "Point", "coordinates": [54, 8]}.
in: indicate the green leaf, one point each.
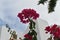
{"type": "Point", "coordinates": [42, 1]}
{"type": "Point", "coordinates": [30, 27]}
{"type": "Point", "coordinates": [52, 4]}
{"type": "Point", "coordinates": [35, 38]}
{"type": "Point", "coordinates": [33, 24]}
{"type": "Point", "coordinates": [33, 32]}
{"type": "Point", "coordinates": [30, 33]}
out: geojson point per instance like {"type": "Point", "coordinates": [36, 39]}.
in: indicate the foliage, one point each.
{"type": "Point", "coordinates": [42, 2]}
{"type": "Point", "coordinates": [51, 6]}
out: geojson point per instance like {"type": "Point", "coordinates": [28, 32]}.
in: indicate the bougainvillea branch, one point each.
{"type": "Point", "coordinates": [51, 5]}
{"type": "Point", "coordinates": [28, 16]}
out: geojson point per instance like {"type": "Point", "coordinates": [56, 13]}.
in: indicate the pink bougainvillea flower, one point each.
{"type": "Point", "coordinates": [56, 34]}
{"type": "Point", "coordinates": [27, 14]}
{"type": "Point", "coordinates": [28, 36]}
{"type": "Point", "coordinates": [53, 28]}
{"type": "Point", "coordinates": [47, 28]}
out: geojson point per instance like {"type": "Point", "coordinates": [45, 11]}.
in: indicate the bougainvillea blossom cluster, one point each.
{"type": "Point", "coordinates": [54, 30]}
{"type": "Point", "coordinates": [27, 14]}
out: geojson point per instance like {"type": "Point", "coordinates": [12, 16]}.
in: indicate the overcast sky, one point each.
{"type": "Point", "coordinates": [10, 8]}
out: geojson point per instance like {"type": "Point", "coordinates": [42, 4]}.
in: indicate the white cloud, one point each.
{"type": "Point", "coordinates": [10, 8]}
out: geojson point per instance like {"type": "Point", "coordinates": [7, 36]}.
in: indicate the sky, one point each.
{"type": "Point", "coordinates": [9, 10]}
